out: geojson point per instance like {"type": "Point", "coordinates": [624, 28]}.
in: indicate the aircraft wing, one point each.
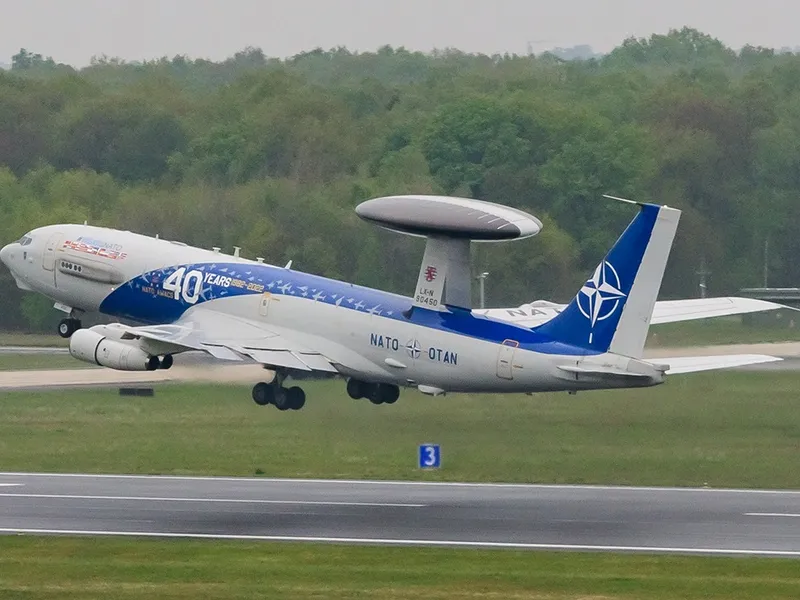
{"type": "Point", "coordinates": [227, 337]}
{"type": "Point", "coordinates": [694, 364]}
{"type": "Point", "coordinates": [665, 311]}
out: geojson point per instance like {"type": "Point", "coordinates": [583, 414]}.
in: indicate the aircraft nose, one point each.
{"type": "Point", "coordinates": [5, 254]}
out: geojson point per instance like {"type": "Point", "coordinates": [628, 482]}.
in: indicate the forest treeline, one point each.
{"type": "Point", "coordinates": [272, 155]}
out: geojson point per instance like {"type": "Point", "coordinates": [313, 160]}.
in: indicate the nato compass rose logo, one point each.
{"type": "Point", "coordinates": [599, 297]}
{"type": "Point", "coordinates": [413, 348]}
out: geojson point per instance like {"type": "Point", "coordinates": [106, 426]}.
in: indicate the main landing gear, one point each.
{"type": "Point", "coordinates": [377, 393]}
{"type": "Point", "coordinates": [293, 398]}
{"type": "Point", "coordinates": [66, 327]}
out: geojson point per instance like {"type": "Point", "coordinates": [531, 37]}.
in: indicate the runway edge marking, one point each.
{"type": "Point", "coordinates": [212, 500]}
{"type": "Point", "coordinates": [388, 482]}
{"type": "Point", "coordinates": [404, 542]}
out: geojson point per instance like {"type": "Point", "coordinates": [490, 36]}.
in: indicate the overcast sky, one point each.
{"type": "Point", "coordinates": [72, 31]}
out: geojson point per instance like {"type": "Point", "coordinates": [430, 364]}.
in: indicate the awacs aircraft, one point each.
{"type": "Point", "coordinates": [291, 322]}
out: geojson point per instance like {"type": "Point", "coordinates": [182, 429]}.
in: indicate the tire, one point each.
{"type": "Point", "coordinates": [375, 393]}
{"type": "Point", "coordinates": [390, 393]}
{"type": "Point", "coordinates": [281, 399]}
{"type": "Point", "coordinates": [296, 398]}
{"type": "Point", "coordinates": [355, 389]}
{"type": "Point", "coordinates": [66, 327]}
{"type": "Point", "coordinates": [262, 394]}
{"type": "Point", "coordinates": [167, 362]}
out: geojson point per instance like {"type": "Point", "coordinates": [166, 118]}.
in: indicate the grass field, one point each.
{"type": "Point", "coordinates": [27, 362]}
{"type": "Point", "coordinates": [722, 330]}
{"type": "Point", "coordinates": [720, 429]}
{"type": "Point", "coordinates": [32, 339]}
{"type": "Point", "coordinates": [85, 568]}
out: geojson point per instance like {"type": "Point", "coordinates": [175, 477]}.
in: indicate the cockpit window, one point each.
{"type": "Point", "coordinates": [25, 240]}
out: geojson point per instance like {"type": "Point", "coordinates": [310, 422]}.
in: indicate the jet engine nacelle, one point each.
{"type": "Point", "coordinates": [93, 347]}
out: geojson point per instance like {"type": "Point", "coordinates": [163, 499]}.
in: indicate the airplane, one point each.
{"type": "Point", "coordinates": [191, 299]}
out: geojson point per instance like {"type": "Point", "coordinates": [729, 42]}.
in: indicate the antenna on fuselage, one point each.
{"type": "Point", "coordinates": [288, 265]}
{"type": "Point", "coordinates": [236, 250]}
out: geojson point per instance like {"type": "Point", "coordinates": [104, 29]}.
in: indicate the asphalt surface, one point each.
{"type": "Point", "coordinates": [598, 518]}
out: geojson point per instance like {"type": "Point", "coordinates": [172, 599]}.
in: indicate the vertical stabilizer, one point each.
{"type": "Point", "coordinates": [444, 277]}
{"type": "Point", "coordinates": [612, 311]}
{"type": "Point", "coordinates": [631, 333]}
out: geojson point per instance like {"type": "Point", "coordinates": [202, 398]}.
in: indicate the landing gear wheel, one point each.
{"type": "Point", "coordinates": [383, 393]}
{"type": "Point", "coordinates": [355, 389]}
{"type": "Point", "coordinates": [281, 399]}
{"type": "Point", "coordinates": [296, 398]}
{"type": "Point", "coordinates": [390, 393]}
{"type": "Point", "coordinates": [66, 327]}
{"type": "Point", "coordinates": [167, 362]}
{"type": "Point", "coordinates": [374, 393]}
{"type": "Point", "coordinates": [263, 394]}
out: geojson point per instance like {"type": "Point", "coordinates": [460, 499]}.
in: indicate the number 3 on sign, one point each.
{"type": "Point", "coordinates": [430, 456]}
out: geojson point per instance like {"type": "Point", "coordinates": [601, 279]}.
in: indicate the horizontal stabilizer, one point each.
{"type": "Point", "coordinates": [665, 311]}
{"type": "Point", "coordinates": [672, 311]}
{"type": "Point", "coordinates": [604, 372]}
{"type": "Point", "coordinates": [694, 364]}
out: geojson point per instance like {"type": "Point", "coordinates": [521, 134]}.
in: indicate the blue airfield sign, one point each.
{"type": "Point", "coordinates": [430, 456]}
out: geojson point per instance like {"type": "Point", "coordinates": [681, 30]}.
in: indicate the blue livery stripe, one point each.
{"type": "Point", "coordinates": [591, 319]}
{"type": "Point", "coordinates": [147, 300]}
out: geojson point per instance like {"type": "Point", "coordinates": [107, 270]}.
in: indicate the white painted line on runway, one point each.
{"type": "Point", "coordinates": [461, 484]}
{"type": "Point", "coordinates": [213, 500]}
{"type": "Point", "coordinates": [405, 542]}
{"type": "Point", "coordinates": [11, 484]}
{"type": "Point", "coordinates": [792, 515]}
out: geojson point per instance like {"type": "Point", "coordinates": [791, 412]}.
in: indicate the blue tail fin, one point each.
{"type": "Point", "coordinates": [612, 311]}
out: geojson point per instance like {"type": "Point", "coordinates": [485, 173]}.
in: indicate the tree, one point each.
{"type": "Point", "coordinates": [469, 137]}
{"type": "Point", "coordinates": [131, 141]}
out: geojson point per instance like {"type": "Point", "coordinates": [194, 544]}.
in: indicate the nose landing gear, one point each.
{"type": "Point", "coordinates": [66, 327]}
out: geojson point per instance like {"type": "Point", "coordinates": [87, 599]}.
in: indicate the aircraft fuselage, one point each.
{"type": "Point", "coordinates": [154, 281]}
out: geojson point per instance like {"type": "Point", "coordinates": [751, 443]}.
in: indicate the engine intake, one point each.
{"type": "Point", "coordinates": [92, 347]}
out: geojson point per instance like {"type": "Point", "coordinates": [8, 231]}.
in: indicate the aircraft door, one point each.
{"type": "Point", "coordinates": [49, 254]}
{"type": "Point", "coordinates": [505, 359]}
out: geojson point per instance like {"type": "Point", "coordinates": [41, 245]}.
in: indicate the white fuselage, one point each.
{"type": "Point", "coordinates": [367, 334]}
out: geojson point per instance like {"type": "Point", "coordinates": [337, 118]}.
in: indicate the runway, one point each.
{"type": "Point", "coordinates": [534, 517]}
